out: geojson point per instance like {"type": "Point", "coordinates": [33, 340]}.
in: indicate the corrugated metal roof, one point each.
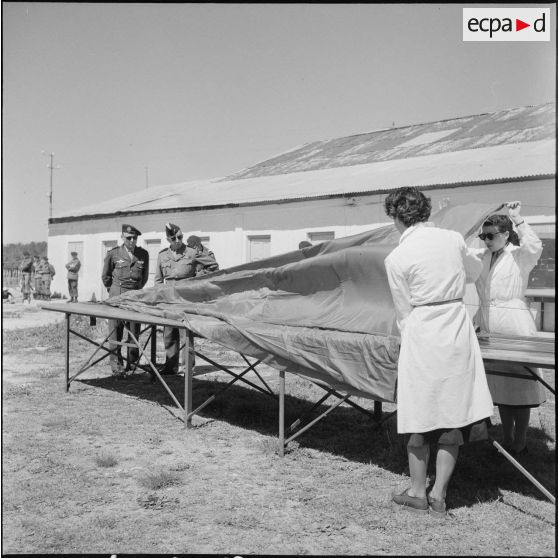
{"type": "Point", "coordinates": [433, 166]}
{"type": "Point", "coordinates": [517, 125]}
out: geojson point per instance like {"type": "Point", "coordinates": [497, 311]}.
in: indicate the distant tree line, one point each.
{"type": "Point", "coordinates": [13, 253]}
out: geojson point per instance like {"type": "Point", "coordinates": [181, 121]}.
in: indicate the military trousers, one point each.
{"type": "Point", "coordinates": [72, 288]}
{"type": "Point", "coordinates": [45, 285]}
{"type": "Point", "coordinates": [116, 328]}
{"type": "Point", "coordinates": [26, 284]}
{"type": "Point", "coordinates": [171, 338]}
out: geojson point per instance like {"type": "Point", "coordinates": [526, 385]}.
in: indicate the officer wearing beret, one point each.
{"type": "Point", "coordinates": [126, 268]}
{"type": "Point", "coordinates": [26, 268]}
{"type": "Point", "coordinates": [176, 264]}
{"type": "Point", "coordinates": [73, 267]}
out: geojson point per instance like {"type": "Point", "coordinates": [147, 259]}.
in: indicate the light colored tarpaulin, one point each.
{"type": "Point", "coordinates": [324, 312]}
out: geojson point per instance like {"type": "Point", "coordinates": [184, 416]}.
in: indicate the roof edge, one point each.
{"type": "Point", "coordinates": [97, 216]}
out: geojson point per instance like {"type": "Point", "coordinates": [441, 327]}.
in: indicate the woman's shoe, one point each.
{"type": "Point", "coordinates": [411, 502]}
{"type": "Point", "coordinates": [437, 507]}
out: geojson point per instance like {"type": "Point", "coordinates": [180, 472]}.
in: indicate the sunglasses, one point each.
{"type": "Point", "coordinates": [488, 236]}
{"type": "Point", "coordinates": [131, 237]}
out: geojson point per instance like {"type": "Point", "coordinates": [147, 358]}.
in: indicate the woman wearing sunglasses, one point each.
{"type": "Point", "coordinates": [508, 259]}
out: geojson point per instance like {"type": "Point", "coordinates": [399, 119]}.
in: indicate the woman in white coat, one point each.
{"type": "Point", "coordinates": [441, 382]}
{"type": "Point", "coordinates": [507, 261]}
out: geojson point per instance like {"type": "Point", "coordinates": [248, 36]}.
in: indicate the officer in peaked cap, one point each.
{"type": "Point", "coordinates": [126, 268]}
{"type": "Point", "coordinates": [176, 264]}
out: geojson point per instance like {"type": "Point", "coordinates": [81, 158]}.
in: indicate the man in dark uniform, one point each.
{"type": "Point", "coordinates": [175, 264]}
{"type": "Point", "coordinates": [26, 268]}
{"type": "Point", "coordinates": [73, 267]}
{"type": "Point", "coordinates": [126, 268]}
{"type": "Point", "coordinates": [195, 242]}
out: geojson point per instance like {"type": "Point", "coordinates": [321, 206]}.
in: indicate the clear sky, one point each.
{"type": "Point", "coordinates": [202, 90]}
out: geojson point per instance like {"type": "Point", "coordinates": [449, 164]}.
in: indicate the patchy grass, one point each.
{"type": "Point", "coordinates": [159, 479]}
{"type": "Point", "coordinates": [105, 460]}
{"type": "Point", "coordinates": [224, 484]}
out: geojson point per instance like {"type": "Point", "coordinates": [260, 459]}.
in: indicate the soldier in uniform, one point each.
{"type": "Point", "coordinates": [47, 273]}
{"type": "Point", "coordinates": [126, 268]}
{"type": "Point", "coordinates": [26, 268]}
{"type": "Point", "coordinates": [73, 267]}
{"type": "Point", "coordinates": [175, 264]}
{"type": "Point", "coordinates": [37, 277]}
{"type": "Point", "coordinates": [195, 242]}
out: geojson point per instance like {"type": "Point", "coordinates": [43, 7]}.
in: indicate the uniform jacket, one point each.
{"type": "Point", "coordinates": [122, 273]}
{"type": "Point", "coordinates": [73, 267]}
{"type": "Point", "coordinates": [206, 262]}
{"type": "Point", "coordinates": [47, 269]}
{"type": "Point", "coordinates": [26, 266]}
{"type": "Point", "coordinates": [182, 264]}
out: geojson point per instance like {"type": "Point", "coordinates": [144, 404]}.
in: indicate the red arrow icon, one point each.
{"type": "Point", "coordinates": [519, 25]}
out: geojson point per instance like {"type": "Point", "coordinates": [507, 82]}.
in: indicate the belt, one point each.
{"type": "Point", "coordinates": [438, 303]}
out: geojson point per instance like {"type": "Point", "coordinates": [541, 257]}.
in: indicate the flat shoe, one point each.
{"type": "Point", "coordinates": [411, 502]}
{"type": "Point", "coordinates": [437, 507]}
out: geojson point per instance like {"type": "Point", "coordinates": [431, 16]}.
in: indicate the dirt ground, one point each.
{"type": "Point", "coordinates": [109, 468]}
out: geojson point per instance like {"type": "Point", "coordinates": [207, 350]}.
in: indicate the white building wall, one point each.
{"type": "Point", "coordinates": [286, 223]}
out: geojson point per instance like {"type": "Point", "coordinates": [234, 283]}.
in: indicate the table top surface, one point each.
{"type": "Point", "coordinates": [533, 351]}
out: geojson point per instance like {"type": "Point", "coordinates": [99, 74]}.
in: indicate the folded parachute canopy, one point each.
{"type": "Point", "coordinates": [323, 312]}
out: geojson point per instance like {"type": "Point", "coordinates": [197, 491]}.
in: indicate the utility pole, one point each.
{"type": "Point", "coordinates": [51, 167]}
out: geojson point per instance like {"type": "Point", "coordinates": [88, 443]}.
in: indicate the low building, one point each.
{"type": "Point", "coordinates": [331, 188]}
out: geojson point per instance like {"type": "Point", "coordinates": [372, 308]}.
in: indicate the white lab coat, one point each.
{"type": "Point", "coordinates": [504, 310]}
{"type": "Point", "coordinates": [441, 381]}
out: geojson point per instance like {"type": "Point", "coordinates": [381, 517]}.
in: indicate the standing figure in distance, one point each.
{"type": "Point", "coordinates": [126, 268]}
{"type": "Point", "coordinates": [176, 264]}
{"type": "Point", "coordinates": [441, 382]}
{"type": "Point", "coordinates": [47, 273]}
{"type": "Point", "coordinates": [507, 260]}
{"type": "Point", "coordinates": [73, 267]}
{"type": "Point", "coordinates": [26, 269]}
{"type": "Point", "coordinates": [206, 258]}
{"type": "Point", "coordinates": [37, 281]}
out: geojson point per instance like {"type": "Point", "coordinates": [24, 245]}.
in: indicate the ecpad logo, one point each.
{"type": "Point", "coordinates": [506, 24]}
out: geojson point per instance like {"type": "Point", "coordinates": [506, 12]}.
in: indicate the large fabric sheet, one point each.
{"type": "Point", "coordinates": [324, 312]}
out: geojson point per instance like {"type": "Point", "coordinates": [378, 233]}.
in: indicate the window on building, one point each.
{"type": "Point", "coordinates": [258, 247]}
{"type": "Point", "coordinates": [106, 246]}
{"type": "Point", "coordinates": [317, 237]}
{"type": "Point", "coordinates": [153, 247]}
{"type": "Point", "coordinates": [76, 247]}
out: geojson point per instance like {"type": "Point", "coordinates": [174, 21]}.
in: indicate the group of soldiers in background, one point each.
{"type": "Point", "coordinates": [36, 276]}
{"type": "Point", "coordinates": [126, 268]}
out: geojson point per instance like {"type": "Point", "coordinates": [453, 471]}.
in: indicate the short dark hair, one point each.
{"type": "Point", "coordinates": [409, 205]}
{"type": "Point", "coordinates": [504, 224]}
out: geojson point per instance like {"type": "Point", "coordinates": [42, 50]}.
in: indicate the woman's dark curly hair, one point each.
{"type": "Point", "coordinates": [504, 224]}
{"type": "Point", "coordinates": [409, 205]}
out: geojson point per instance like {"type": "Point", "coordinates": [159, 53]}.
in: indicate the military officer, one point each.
{"type": "Point", "coordinates": [47, 273]}
{"type": "Point", "coordinates": [73, 267]}
{"type": "Point", "coordinates": [126, 268]}
{"type": "Point", "coordinates": [175, 264]}
{"type": "Point", "coordinates": [206, 266]}
{"type": "Point", "coordinates": [26, 268]}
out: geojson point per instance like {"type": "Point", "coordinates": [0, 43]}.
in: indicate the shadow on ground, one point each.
{"type": "Point", "coordinates": [481, 474]}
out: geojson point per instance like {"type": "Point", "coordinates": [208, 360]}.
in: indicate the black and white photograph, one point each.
{"type": "Point", "coordinates": [278, 279]}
